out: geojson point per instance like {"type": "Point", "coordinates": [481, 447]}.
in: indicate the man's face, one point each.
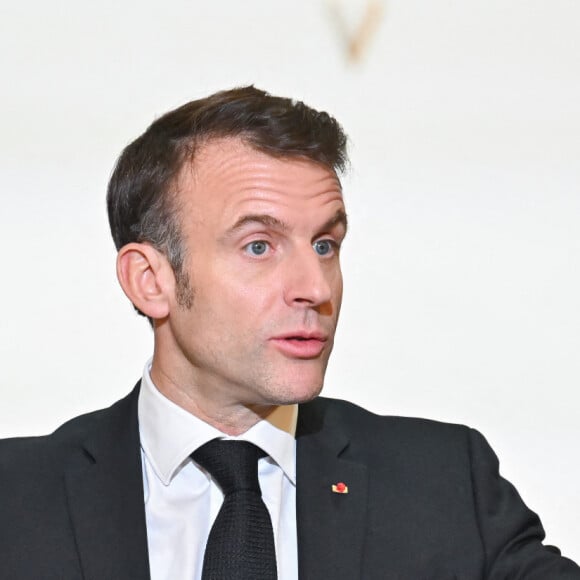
{"type": "Point", "coordinates": [262, 238]}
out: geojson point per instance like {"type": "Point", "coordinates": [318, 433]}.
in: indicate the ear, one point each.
{"type": "Point", "coordinates": [146, 278]}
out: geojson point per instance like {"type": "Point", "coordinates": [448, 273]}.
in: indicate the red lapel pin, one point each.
{"type": "Point", "coordinates": [340, 487]}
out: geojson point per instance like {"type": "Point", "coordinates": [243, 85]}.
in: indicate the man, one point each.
{"type": "Point", "coordinates": [228, 217]}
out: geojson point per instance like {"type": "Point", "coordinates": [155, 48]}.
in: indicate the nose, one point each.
{"type": "Point", "coordinates": [308, 280]}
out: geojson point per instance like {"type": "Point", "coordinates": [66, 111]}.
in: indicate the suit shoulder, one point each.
{"type": "Point", "coordinates": [384, 430]}
{"type": "Point", "coordinates": [352, 413]}
{"type": "Point", "coordinates": [48, 449]}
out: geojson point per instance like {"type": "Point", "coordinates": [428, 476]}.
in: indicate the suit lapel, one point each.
{"type": "Point", "coordinates": [331, 526]}
{"type": "Point", "coordinates": [105, 494]}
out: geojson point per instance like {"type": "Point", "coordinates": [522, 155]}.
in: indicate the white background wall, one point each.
{"type": "Point", "coordinates": [462, 263]}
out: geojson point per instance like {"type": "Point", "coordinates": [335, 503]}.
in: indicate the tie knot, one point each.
{"type": "Point", "coordinates": [233, 464]}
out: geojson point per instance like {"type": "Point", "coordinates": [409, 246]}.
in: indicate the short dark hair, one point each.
{"type": "Point", "coordinates": [141, 197]}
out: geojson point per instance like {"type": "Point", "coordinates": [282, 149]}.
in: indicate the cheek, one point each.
{"type": "Point", "coordinates": [336, 286]}
{"type": "Point", "coordinates": [334, 277]}
{"type": "Point", "coordinates": [250, 294]}
{"type": "Point", "coordinates": [231, 311]}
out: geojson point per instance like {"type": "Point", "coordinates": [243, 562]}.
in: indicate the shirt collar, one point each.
{"type": "Point", "coordinates": [170, 434]}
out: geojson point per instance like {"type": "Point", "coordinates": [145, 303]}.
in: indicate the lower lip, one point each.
{"type": "Point", "coordinates": [310, 348]}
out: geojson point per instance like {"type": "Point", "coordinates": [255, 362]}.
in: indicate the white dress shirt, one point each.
{"type": "Point", "coordinates": [182, 500]}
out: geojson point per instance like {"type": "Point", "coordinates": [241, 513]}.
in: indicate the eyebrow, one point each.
{"type": "Point", "coordinates": [339, 218]}
{"type": "Point", "coordinates": [264, 219]}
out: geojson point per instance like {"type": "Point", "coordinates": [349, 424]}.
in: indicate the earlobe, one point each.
{"type": "Point", "coordinates": [142, 272]}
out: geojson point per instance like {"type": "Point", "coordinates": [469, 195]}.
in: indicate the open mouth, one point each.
{"type": "Point", "coordinates": [299, 346]}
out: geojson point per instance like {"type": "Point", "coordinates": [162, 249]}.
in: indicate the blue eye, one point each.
{"type": "Point", "coordinates": [323, 247]}
{"type": "Point", "coordinates": [257, 248]}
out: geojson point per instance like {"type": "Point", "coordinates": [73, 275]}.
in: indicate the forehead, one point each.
{"type": "Point", "coordinates": [228, 176]}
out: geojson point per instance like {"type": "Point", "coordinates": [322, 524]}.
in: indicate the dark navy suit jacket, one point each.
{"type": "Point", "coordinates": [425, 501]}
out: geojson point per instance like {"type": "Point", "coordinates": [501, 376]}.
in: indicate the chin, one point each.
{"type": "Point", "coordinates": [296, 383]}
{"type": "Point", "coordinates": [299, 393]}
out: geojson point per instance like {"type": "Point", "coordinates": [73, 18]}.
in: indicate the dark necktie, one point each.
{"type": "Point", "coordinates": [241, 541]}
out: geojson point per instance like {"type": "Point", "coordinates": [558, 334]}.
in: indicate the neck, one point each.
{"type": "Point", "coordinates": [231, 418]}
